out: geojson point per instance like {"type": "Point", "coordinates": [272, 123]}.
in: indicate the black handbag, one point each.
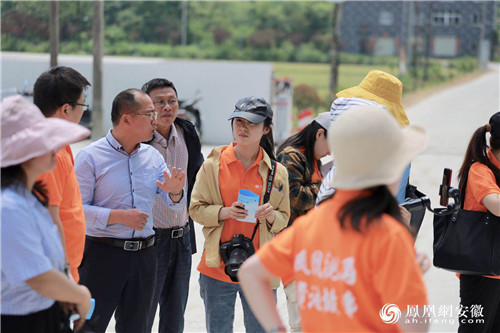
{"type": "Point", "coordinates": [467, 242]}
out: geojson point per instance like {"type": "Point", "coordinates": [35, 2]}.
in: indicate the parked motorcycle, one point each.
{"type": "Point", "coordinates": [189, 112]}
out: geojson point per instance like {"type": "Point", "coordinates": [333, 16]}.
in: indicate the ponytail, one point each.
{"type": "Point", "coordinates": [267, 141]}
{"type": "Point", "coordinates": [477, 151]}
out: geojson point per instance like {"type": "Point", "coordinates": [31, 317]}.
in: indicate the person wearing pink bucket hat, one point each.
{"type": "Point", "coordinates": [33, 282]}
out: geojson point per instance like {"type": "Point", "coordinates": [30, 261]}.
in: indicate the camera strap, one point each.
{"type": "Point", "coordinates": [269, 187]}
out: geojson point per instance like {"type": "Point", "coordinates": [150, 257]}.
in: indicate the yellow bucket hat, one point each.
{"type": "Point", "coordinates": [383, 88]}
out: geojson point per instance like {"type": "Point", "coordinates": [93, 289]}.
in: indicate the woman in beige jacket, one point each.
{"type": "Point", "coordinates": [230, 228]}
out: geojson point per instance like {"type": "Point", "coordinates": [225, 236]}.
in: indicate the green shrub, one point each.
{"type": "Point", "coordinates": [305, 96]}
{"type": "Point", "coordinates": [308, 53]}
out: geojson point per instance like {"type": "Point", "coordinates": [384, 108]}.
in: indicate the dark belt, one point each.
{"type": "Point", "coordinates": [126, 244]}
{"type": "Point", "coordinates": [172, 232]}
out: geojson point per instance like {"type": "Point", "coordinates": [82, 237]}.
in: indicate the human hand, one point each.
{"type": "Point", "coordinates": [173, 184]}
{"type": "Point", "coordinates": [134, 219]}
{"type": "Point", "coordinates": [67, 308]}
{"type": "Point", "coordinates": [406, 215]}
{"type": "Point", "coordinates": [83, 307]}
{"type": "Point", "coordinates": [266, 211]}
{"type": "Point", "coordinates": [423, 262]}
{"type": "Point", "coordinates": [236, 211]}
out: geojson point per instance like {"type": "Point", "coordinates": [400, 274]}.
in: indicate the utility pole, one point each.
{"type": "Point", "coordinates": [334, 51]}
{"type": "Point", "coordinates": [483, 49]}
{"type": "Point", "coordinates": [410, 38]}
{"type": "Point", "coordinates": [54, 31]}
{"type": "Point", "coordinates": [184, 23]}
{"type": "Point", "coordinates": [427, 39]}
{"type": "Point", "coordinates": [98, 50]}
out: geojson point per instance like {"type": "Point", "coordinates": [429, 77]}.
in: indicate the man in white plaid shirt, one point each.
{"type": "Point", "coordinates": [178, 143]}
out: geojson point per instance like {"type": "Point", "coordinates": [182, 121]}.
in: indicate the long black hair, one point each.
{"type": "Point", "coordinates": [477, 151]}
{"type": "Point", "coordinates": [305, 138]}
{"type": "Point", "coordinates": [368, 209]}
{"type": "Point", "coordinates": [267, 140]}
{"type": "Point", "coordinates": [14, 175]}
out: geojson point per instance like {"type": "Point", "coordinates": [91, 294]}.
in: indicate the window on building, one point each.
{"type": "Point", "coordinates": [385, 18]}
{"type": "Point", "coordinates": [476, 18]}
{"type": "Point", "coordinates": [446, 17]}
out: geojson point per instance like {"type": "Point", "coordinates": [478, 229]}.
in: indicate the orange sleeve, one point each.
{"type": "Point", "coordinates": [481, 181]}
{"type": "Point", "coordinates": [277, 255]}
{"type": "Point", "coordinates": [398, 278]}
{"type": "Point", "coordinates": [54, 182]}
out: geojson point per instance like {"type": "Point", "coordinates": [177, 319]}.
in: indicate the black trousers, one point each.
{"type": "Point", "coordinates": [478, 292]}
{"type": "Point", "coordinates": [48, 320]}
{"type": "Point", "coordinates": [121, 281]}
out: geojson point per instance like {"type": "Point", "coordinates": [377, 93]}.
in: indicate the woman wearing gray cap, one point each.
{"type": "Point", "coordinates": [241, 198]}
{"type": "Point", "coordinates": [31, 250]}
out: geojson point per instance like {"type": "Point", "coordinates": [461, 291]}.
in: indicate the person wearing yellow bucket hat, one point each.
{"type": "Point", "coordinates": [380, 89]}
{"type": "Point", "coordinates": [383, 88]}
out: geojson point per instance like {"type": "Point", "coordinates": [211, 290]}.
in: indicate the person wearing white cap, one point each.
{"type": "Point", "coordinates": [352, 258]}
{"type": "Point", "coordinates": [301, 154]}
{"type": "Point", "coordinates": [31, 250]}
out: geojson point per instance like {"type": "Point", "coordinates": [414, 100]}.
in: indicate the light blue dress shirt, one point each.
{"type": "Point", "coordinates": [30, 246]}
{"type": "Point", "coordinates": [109, 178]}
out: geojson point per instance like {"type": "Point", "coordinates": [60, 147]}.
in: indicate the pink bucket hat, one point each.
{"type": "Point", "coordinates": [26, 133]}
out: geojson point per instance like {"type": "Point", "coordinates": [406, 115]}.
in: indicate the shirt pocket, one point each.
{"type": "Point", "coordinates": [150, 174]}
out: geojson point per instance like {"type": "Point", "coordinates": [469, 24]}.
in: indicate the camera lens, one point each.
{"type": "Point", "coordinates": [237, 257]}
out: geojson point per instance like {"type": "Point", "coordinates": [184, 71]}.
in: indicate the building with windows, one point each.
{"type": "Point", "coordinates": [436, 28]}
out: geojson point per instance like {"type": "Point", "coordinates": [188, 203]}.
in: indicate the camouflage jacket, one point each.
{"type": "Point", "coordinates": [303, 191]}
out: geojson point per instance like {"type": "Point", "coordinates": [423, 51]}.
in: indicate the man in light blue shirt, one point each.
{"type": "Point", "coordinates": [119, 179]}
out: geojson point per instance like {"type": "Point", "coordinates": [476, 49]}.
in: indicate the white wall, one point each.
{"type": "Point", "coordinates": [220, 83]}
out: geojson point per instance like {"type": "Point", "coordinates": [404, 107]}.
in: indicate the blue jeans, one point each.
{"type": "Point", "coordinates": [172, 282]}
{"type": "Point", "coordinates": [219, 298]}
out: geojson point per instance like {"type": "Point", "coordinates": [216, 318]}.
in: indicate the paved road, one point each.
{"type": "Point", "coordinates": [450, 117]}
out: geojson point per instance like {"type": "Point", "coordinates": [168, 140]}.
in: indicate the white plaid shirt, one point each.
{"type": "Point", "coordinates": [176, 155]}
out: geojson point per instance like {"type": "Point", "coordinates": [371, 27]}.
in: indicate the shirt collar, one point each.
{"type": "Point", "coordinates": [117, 145]}
{"type": "Point", "coordinates": [173, 137]}
{"type": "Point", "coordinates": [260, 156]}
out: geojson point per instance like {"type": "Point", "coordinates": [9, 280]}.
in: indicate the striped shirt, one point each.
{"type": "Point", "coordinates": [339, 105]}
{"type": "Point", "coordinates": [175, 153]}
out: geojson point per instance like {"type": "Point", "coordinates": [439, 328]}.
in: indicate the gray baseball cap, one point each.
{"type": "Point", "coordinates": [253, 109]}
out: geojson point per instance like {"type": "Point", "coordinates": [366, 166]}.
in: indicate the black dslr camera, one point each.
{"type": "Point", "coordinates": [234, 253]}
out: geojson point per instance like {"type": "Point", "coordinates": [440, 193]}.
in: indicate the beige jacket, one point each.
{"type": "Point", "coordinates": [206, 202]}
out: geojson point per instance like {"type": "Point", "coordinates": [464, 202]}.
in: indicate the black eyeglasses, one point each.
{"type": "Point", "coordinates": [85, 106]}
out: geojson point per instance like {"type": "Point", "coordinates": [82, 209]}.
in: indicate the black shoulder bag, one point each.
{"type": "Point", "coordinates": [467, 242]}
